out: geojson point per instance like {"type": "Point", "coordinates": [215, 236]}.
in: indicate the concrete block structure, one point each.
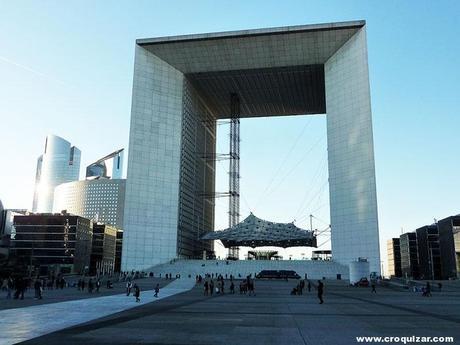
{"type": "Point", "coordinates": [183, 84]}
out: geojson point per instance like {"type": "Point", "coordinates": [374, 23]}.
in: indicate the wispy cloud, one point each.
{"type": "Point", "coordinates": [26, 68]}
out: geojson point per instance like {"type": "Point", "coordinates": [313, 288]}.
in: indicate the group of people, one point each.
{"type": "Point", "coordinates": [92, 285]}
{"type": "Point", "coordinates": [298, 289]}
{"type": "Point", "coordinates": [247, 285]}
{"type": "Point", "coordinates": [134, 287]}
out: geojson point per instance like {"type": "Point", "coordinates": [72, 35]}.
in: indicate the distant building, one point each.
{"type": "Point", "coordinates": [449, 244]}
{"type": "Point", "coordinates": [394, 258]}
{"type": "Point", "coordinates": [100, 200]}
{"type": "Point", "coordinates": [118, 250]}
{"type": "Point", "coordinates": [103, 249]}
{"type": "Point", "coordinates": [6, 220]}
{"type": "Point", "coordinates": [429, 254]}
{"type": "Point", "coordinates": [59, 163]}
{"type": "Point", "coordinates": [110, 166]}
{"type": "Point", "coordinates": [59, 243]}
{"type": "Point", "coordinates": [409, 255]}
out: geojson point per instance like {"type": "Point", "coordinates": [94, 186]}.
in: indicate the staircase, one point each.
{"type": "Point", "coordinates": [242, 268]}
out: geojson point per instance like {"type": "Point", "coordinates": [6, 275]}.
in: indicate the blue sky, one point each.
{"type": "Point", "coordinates": [66, 68]}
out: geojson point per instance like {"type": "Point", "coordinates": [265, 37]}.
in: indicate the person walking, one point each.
{"type": "Point", "coordinates": [232, 288]}
{"type": "Point", "coordinates": [128, 287]}
{"type": "Point", "coordinates": [428, 289]}
{"type": "Point", "coordinates": [157, 290]}
{"type": "Point", "coordinates": [9, 288]}
{"type": "Point", "coordinates": [38, 288]}
{"type": "Point", "coordinates": [98, 285]}
{"type": "Point", "coordinates": [309, 286]}
{"type": "Point", "coordinates": [373, 287]}
{"type": "Point", "coordinates": [137, 292]}
{"type": "Point", "coordinates": [320, 291]}
{"type": "Point", "coordinates": [90, 286]}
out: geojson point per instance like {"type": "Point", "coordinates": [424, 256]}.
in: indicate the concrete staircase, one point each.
{"type": "Point", "coordinates": [241, 268]}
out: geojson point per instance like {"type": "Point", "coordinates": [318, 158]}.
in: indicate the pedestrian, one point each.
{"type": "Point", "coordinates": [157, 290]}
{"type": "Point", "coordinates": [9, 287]}
{"type": "Point", "coordinates": [128, 287]}
{"type": "Point", "coordinates": [38, 288]}
{"type": "Point", "coordinates": [137, 292]}
{"type": "Point", "coordinates": [90, 285]}
{"type": "Point", "coordinates": [211, 287]}
{"type": "Point", "coordinates": [5, 284]}
{"type": "Point", "coordinates": [373, 287]}
{"type": "Point", "coordinates": [251, 287]}
{"type": "Point", "coordinates": [98, 285]}
{"type": "Point", "coordinates": [320, 291]}
{"type": "Point", "coordinates": [206, 288]}
{"type": "Point", "coordinates": [309, 286]}
{"type": "Point", "coordinates": [232, 288]}
{"type": "Point", "coordinates": [20, 287]}
{"type": "Point", "coordinates": [428, 289]}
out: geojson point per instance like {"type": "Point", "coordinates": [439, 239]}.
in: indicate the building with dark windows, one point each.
{"type": "Point", "coordinates": [449, 244]}
{"type": "Point", "coordinates": [118, 250]}
{"type": "Point", "coordinates": [103, 249]}
{"type": "Point", "coordinates": [59, 243]}
{"type": "Point", "coordinates": [394, 258]}
{"type": "Point", "coordinates": [409, 255]}
{"type": "Point", "coordinates": [59, 163]}
{"type": "Point", "coordinates": [429, 254]}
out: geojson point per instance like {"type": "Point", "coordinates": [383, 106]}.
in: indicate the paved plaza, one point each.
{"type": "Point", "coordinates": [273, 316]}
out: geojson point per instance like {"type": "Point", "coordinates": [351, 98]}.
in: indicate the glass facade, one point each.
{"type": "Point", "coordinates": [110, 166]}
{"type": "Point", "coordinates": [449, 242]}
{"type": "Point", "coordinates": [60, 163]}
{"type": "Point", "coordinates": [103, 249]}
{"type": "Point", "coordinates": [56, 241]}
{"type": "Point", "coordinates": [429, 253]}
{"type": "Point", "coordinates": [409, 255]}
{"type": "Point", "coordinates": [394, 258]}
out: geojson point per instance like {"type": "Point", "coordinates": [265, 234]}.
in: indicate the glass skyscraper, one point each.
{"type": "Point", "coordinates": [59, 163]}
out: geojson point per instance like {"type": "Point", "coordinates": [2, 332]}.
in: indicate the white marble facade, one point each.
{"type": "Point", "coordinates": [352, 189]}
{"type": "Point", "coordinates": [152, 188]}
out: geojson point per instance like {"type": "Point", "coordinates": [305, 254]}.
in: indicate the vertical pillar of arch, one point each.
{"type": "Point", "coordinates": [152, 186]}
{"type": "Point", "coordinates": [352, 186]}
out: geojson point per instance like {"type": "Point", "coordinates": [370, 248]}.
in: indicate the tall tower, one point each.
{"type": "Point", "coordinates": [59, 163]}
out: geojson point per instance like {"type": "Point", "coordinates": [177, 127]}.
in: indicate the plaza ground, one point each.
{"type": "Point", "coordinates": [70, 293]}
{"type": "Point", "coordinates": [273, 316]}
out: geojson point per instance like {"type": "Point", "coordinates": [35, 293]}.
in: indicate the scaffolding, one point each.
{"type": "Point", "coordinates": [234, 169]}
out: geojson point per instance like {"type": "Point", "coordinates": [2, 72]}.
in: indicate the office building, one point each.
{"type": "Point", "coordinates": [59, 163]}
{"type": "Point", "coordinates": [184, 84]}
{"type": "Point", "coordinates": [429, 253]}
{"type": "Point", "coordinates": [109, 167]}
{"type": "Point", "coordinates": [59, 243]}
{"type": "Point", "coordinates": [409, 255]}
{"type": "Point", "coordinates": [103, 249]}
{"type": "Point", "coordinates": [118, 250]}
{"type": "Point", "coordinates": [449, 244]}
{"type": "Point", "coordinates": [101, 200]}
{"type": "Point", "coordinates": [394, 258]}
